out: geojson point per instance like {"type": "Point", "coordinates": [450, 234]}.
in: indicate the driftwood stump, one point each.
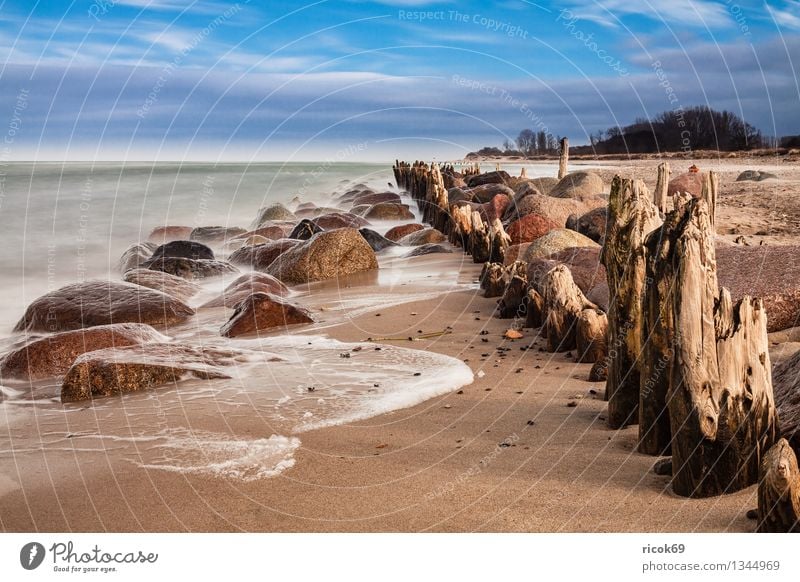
{"type": "Point", "coordinates": [720, 401]}
{"type": "Point", "coordinates": [500, 241]}
{"type": "Point", "coordinates": [590, 336]}
{"type": "Point", "coordinates": [534, 308]}
{"type": "Point", "coordinates": [512, 303]}
{"type": "Point", "coordinates": [479, 244]}
{"type": "Point", "coordinates": [563, 304]}
{"type": "Point", "coordinates": [779, 491]}
{"type": "Point", "coordinates": [631, 216]}
{"type": "Point", "coordinates": [563, 158]}
{"type": "Point", "coordinates": [662, 185]}
{"type": "Point", "coordinates": [492, 279]}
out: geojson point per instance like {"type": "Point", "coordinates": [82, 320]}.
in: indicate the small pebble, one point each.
{"type": "Point", "coordinates": [572, 404]}
{"type": "Point", "coordinates": [418, 373]}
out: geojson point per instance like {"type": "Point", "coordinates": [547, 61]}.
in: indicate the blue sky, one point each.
{"type": "Point", "coordinates": [347, 80]}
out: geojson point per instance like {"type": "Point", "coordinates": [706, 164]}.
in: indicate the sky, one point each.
{"type": "Point", "coordinates": [370, 81]}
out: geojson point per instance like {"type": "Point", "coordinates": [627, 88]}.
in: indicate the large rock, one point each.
{"type": "Point", "coordinates": [184, 249]}
{"type": "Point", "coordinates": [135, 255]}
{"type": "Point", "coordinates": [316, 212]}
{"type": "Point", "coordinates": [529, 228]}
{"type": "Point", "coordinates": [769, 272]}
{"type": "Point", "coordinates": [261, 312]}
{"type": "Point", "coordinates": [170, 284]}
{"type": "Point", "coordinates": [388, 211]}
{"type": "Point", "coordinates": [340, 220]}
{"type": "Point", "coordinates": [375, 240]}
{"type": "Point", "coordinates": [191, 269]}
{"type": "Point", "coordinates": [216, 234]}
{"type": "Point", "coordinates": [786, 387]}
{"type": "Point", "coordinates": [329, 254]}
{"type": "Point", "coordinates": [164, 234]}
{"type": "Point", "coordinates": [690, 182]}
{"type": "Point", "coordinates": [54, 354]}
{"type": "Point", "coordinates": [422, 237]}
{"type": "Point", "coordinates": [592, 224]}
{"type": "Point", "coordinates": [94, 303]}
{"type": "Point", "coordinates": [428, 249]}
{"type": "Point", "coordinates": [376, 198]}
{"type": "Point", "coordinates": [578, 186]}
{"type": "Point", "coordinates": [555, 241]}
{"type": "Point", "coordinates": [269, 231]}
{"type": "Point", "coordinates": [755, 176]}
{"type": "Point", "coordinates": [485, 193]}
{"type": "Point", "coordinates": [260, 257]}
{"type": "Point", "coordinates": [496, 177]}
{"type": "Point", "coordinates": [514, 253]}
{"type": "Point", "coordinates": [543, 185]}
{"type": "Point", "coordinates": [583, 262]}
{"type": "Point", "coordinates": [556, 209]}
{"type": "Point", "coordinates": [244, 286]}
{"type": "Point", "coordinates": [305, 229]}
{"type": "Point", "coordinates": [495, 208]}
{"type": "Point", "coordinates": [397, 232]}
{"type": "Point", "coordinates": [115, 371]}
{"type": "Point", "coordinates": [271, 213]}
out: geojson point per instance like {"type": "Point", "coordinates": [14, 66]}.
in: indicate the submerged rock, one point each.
{"type": "Point", "coordinates": [328, 254]}
{"type": "Point", "coordinates": [245, 286]}
{"type": "Point", "coordinates": [164, 282]}
{"type": "Point", "coordinates": [114, 371]}
{"type": "Point", "coordinates": [340, 220]}
{"type": "Point", "coordinates": [376, 198]}
{"type": "Point", "coordinates": [260, 257]}
{"type": "Point", "coordinates": [273, 212]}
{"type": "Point", "coordinates": [135, 255]}
{"type": "Point", "coordinates": [304, 230]}
{"type": "Point", "coordinates": [54, 354]}
{"type": "Point", "coordinates": [184, 249]}
{"type": "Point", "coordinates": [164, 234]}
{"type": "Point", "coordinates": [376, 241]}
{"type": "Point", "coordinates": [422, 237]}
{"type": "Point", "coordinates": [192, 269]}
{"type": "Point", "coordinates": [428, 249]}
{"type": "Point", "coordinates": [397, 232]}
{"type": "Point", "coordinates": [94, 303]}
{"type": "Point", "coordinates": [216, 234]}
{"type": "Point", "coordinates": [388, 211]}
{"type": "Point", "coordinates": [263, 311]}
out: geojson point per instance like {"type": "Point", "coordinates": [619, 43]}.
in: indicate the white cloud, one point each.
{"type": "Point", "coordinates": [685, 12]}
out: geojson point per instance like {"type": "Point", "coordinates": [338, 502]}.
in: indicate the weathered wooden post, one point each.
{"type": "Point", "coordinates": [563, 304]}
{"type": "Point", "coordinates": [662, 185]}
{"type": "Point", "coordinates": [709, 194]}
{"type": "Point", "coordinates": [563, 158]}
{"type": "Point", "coordinates": [779, 491]}
{"type": "Point", "coordinates": [631, 217]}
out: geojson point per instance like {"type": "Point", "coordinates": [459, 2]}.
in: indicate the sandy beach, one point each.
{"type": "Point", "coordinates": [523, 448]}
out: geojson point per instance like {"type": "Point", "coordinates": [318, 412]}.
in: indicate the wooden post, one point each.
{"type": "Point", "coordinates": [500, 241]}
{"type": "Point", "coordinates": [720, 401]}
{"type": "Point", "coordinates": [709, 194]}
{"type": "Point", "coordinates": [779, 491]}
{"type": "Point", "coordinates": [631, 216]}
{"type": "Point", "coordinates": [479, 242]}
{"type": "Point", "coordinates": [534, 308]}
{"type": "Point", "coordinates": [662, 185]}
{"type": "Point", "coordinates": [563, 158]}
{"type": "Point", "coordinates": [591, 336]}
{"type": "Point", "coordinates": [563, 304]}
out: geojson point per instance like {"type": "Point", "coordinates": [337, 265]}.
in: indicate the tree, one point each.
{"type": "Point", "coordinates": [526, 141]}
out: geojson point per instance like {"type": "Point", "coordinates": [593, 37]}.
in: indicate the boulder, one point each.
{"type": "Point", "coordinates": [135, 255]}
{"type": "Point", "coordinates": [485, 193]}
{"type": "Point", "coordinates": [54, 354]}
{"type": "Point", "coordinates": [376, 241]}
{"type": "Point", "coordinates": [690, 182]}
{"type": "Point", "coordinates": [170, 284]}
{"type": "Point", "coordinates": [592, 224]}
{"type": "Point", "coordinates": [542, 185]}
{"type": "Point", "coordinates": [397, 232]}
{"type": "Point", "coordinates": [422, 237]}
{"type": "Point", "coordinates": [340, 220]}
{"type": "Point", "coordinates": [260, 257]}
{"type": "Point", "coordinates": [191, 269]}
{"type": "Point", "coordinates": [529, 228]}
{"type": "Point", "coordinates": [583, 263]}
{"type": "Point", "coordinates": [244, 286]}
{"type": "Point", "coordinates": [376, 198]}
{"type": "Point", "coordinates": [164, 234]}
{"type": "Point", "coordinates": [769, 272]}
{"type": "Point", "coordinates": [114, 371]}
{"type": "Point", "coordinates": [428, 249]}
{"type": "Point", "coordinates": [555, 209]}
{"type": "Point", "coordinates": [328, 254]}
{"type": "Point", "coordinates": [304, 230]}
{"type": "Point", "coordinates": [272, 212]}
{"type": "Point", "coordinates": [253, 240]}
{"type": "Point", "coordinates": [754, 176]}
{"type": "Point", "coordinates": [216, 234]}
{"type": "Point", "coordinates": [92, 303]}
{"type": "Point", "coordinates": [263, 311]}
{"type": "Point", "coordinates": [555, 241]}
{"type": "Point", "coordinates": [578, 186]}
{"type": "Point", "coordinates": [495, 208]}
{"type": "Point", "coordinates": [496, 177]}
{"type": "Point", "coordinates": [514, 253]}
{"type": "Point", "coordinates": [457, 194]}
{"type": "Point", "coordinates": [184, 249]}
{"type": "Point", "coordinates": [269, 231]}
{"type": "Point", "coordinates": [388, 211]}
{"type": "Point", "coordinates": [316, 212]}
{"type": "Point", "coordinates": [786, 387]}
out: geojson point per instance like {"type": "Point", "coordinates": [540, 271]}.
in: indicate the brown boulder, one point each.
{"type": "Point", "coordinates": [192, 269]}
{"type": "Point", "coordinates": [186, 249]}
{"type": "Point", "coordinates": [554, 241]}
{"type": "Point", "coordinates": [272, 213]}
{"type": "Point", "coordinates": [164, 282]}
{"type": "Point", "coordinates": [94, 303]}
{"type": "Point", "coordinates": [592, 224]}
{"type": "Point", "coordinates": [135, 255]}
{"type": "Point", "coordinates": [529, 228]}
{"type": "Point", "coordinates": [514, 253]}
{"type": "Point", "coordinates": [245, 286]}
{"type": "Point", "coordinates": [376, 198]}
{"type": "Point", "coordinates": [328, 254]}
{"type": "Point", "coordinates": [541, 185]}
{"type": "Point", "coordinates": [260, 257]}
{"type": "Point", "coordinates": [422, 237]}
{"type": "Point", "coordinates": [388, 211]}
{"type": "Point", "coordinates": [165, 234]}
{"type": "Point", "coordinates": [496, 177]}
{"type": "Point", "coordinates": [691, 182]}
{"type": "Point", "coordinates": [316, 212]}
{"type": "Point", "coordinates": [114, 371]}
{"type": "Point", "coordinates": [397, 232]}
{"type": "Point", "coordinates": [216, 234]}
{"type": "Point", "coordinates": [428, 249]}
{"type": "Point", "coordinates": [263, 311]}
{"type": "Point", "coordinates": [340, 220]}
{"type": "Point", "coordinates": [54, 354]}
{"type": "Point", "coordinates": [555, 209]}
{"type": "Point", "coordinates": [270, 231]}
{"type": "Point", "coordinates": [578, 186]}
{"type": "Point", "coordinates": [486, 192]}
{"type": "Point", "coordinates": [786, 386]}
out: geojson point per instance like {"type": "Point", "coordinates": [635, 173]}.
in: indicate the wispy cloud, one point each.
{"type": "Point", "coordinates": [685, 12]}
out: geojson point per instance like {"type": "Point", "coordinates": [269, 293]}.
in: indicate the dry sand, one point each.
{"type": "Point", "coordinates": [522, 448]}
